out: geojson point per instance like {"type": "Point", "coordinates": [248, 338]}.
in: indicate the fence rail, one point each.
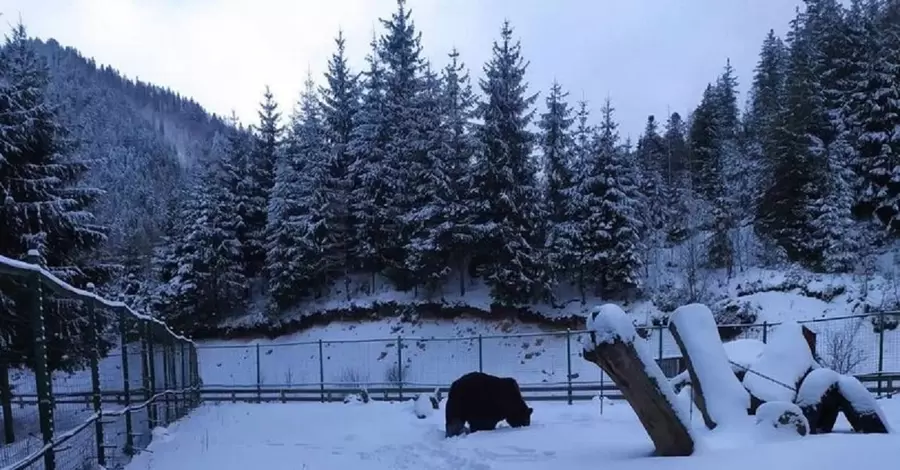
{"type": "Point", "coordinates": [125, 374]}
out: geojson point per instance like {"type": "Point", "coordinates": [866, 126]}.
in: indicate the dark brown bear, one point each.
{"type": "Point", "coordinates": [483, 400]}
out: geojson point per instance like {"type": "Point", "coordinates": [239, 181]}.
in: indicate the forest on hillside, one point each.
{"type": "Point", "coordinates": [421, 177]}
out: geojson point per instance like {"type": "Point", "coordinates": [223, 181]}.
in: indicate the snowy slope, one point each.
{"type": "Point", "coordinates": [387, 436]}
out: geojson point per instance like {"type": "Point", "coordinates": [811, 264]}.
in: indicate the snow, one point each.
{"type": "Point", "coordinates": [382, 435]}
{"type": "Point", "coordinates": [860, 398]}
{"type": "Point", "coordinates": [726, 399]}
{"type": "Point", "coordinates": [814, 385]}
{"type": "Point", "coordinates": [767, 420]}
{"type": "Point", "coordinates": [422, 406]}
{"type": "Point", "coordinates": [785, 359]}
{"type": "Point", "coordinates": [609, 323]}
{"type": "Point", "coordinates": [743, 352]}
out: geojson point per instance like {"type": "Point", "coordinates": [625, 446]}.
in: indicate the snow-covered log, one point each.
{"type": "Point", "coordinates": [861, 408]}
{"type": "Point", "coordinates": [613, 345]}
{"type": "Point", "coordinates": [718, 393]}
{"type": "Point", "coordinates": [820, 400]}
{"type": "Point", "coordinates": [777, 418]}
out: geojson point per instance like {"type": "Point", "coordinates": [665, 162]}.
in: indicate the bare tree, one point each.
{"type": "Point", "coordinates": [842, 352]}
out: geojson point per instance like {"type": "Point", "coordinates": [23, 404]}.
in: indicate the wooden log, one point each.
{"type": "Point", "coordinates": [704, 347]}
{"type": "Point", "coordinates": [622, 362]}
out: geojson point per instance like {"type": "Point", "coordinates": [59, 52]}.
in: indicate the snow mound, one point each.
{"type": "Point", "coordinates": [424, 405]}
{"type": "Point", "coordinates": [726, 399]}
{"type": "Point", "coordinates": [781, 420]}
{"type": "Point", "coordinates": [815, 385]}
{"type": "Point", "coordinates": [785, 359]}
{"type": "Point", "coordinates": [609, 323]}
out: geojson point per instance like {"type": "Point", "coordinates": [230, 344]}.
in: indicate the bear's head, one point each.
{"type": "Point", "coordinates": [520, 419]}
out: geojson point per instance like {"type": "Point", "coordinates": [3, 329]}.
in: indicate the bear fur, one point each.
{"type": "Point", "coordinates": [483, 400]}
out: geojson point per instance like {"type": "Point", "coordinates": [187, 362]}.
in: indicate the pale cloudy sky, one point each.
{"type": "Point", "coordinates": [647, 55]}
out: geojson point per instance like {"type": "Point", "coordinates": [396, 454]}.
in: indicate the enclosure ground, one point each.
{"type": "Point", "coordinates": [388, 436]}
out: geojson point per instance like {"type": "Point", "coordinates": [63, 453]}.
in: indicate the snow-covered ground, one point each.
{"type": "Point", "coordinates": [381, 435]}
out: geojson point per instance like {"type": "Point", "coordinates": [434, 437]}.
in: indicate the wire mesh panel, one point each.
{"type": "Point", "coordinates": [288, 366]}
{"type": "Point", "coordinates": [437, 362]}
{"type": "Point", "coordinates": [228, 366]}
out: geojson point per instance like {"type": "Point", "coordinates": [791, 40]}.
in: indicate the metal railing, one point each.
{"type": "Point", "coordinates": [84, 380]}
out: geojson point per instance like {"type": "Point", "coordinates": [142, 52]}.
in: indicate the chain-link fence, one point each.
{"type": "Point", "coordinates": [84, 381]}
{"type": "Point", "coordinates": [547, 365]}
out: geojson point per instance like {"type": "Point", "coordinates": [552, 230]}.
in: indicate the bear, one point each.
{"type": "Point", "coordinates": [483, 400]}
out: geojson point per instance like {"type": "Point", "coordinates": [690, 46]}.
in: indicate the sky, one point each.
{"type": "Point", "coordinates": [647, 56]}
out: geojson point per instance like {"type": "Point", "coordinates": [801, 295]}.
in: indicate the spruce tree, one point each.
{"type": "Point", "coordinates": [558, 149]}
{"type": "Point", "coordinates": [340, 103]}
{"type": "Point", "coordinates": [256, 187]}
{"type": "Point", "coordinates": [44, 204]}
{"type": "Point", "coordinates": [507, 208]}
{"type": "Point", "coordinates": [609, 243]}
{"type": "Point", "coordinates": [369, 174]}
{"type": "Point", "coordinates": [405, 104]}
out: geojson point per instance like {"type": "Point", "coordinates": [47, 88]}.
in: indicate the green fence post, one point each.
{"type": "Point", "coordinates": [41, 369]}
{"type": "Point", "coordinates": [569, 363]}
{"type": "Point", "coordinates": [186, 405]}
{"type": "Point", "coordinates": [166, 384]}
{"type": "Point", "coordinates": [173, 379]}
{"type": "Point", "coordinates": [93, 340]}
{"type": "Point", "coordinates": [258, 376]}
{"type": "Point", "coordinates": [880, 349]}
{"type": "Point", "coordinates": [197, 380]}
{"type": "Point", "coordinates": [151, 371]}
{"type": "Point", "coordinates": [661, 328]}
{"type": "Point", "coordinates": [480, 355]}
{"type": "Point", "coordinates": [126, 381]}
{"type": "Point", "coordinates": [9, 435]}
{"type": "Point", "coordinates": [321, 372]}
{"type": "Point", "coordinates": [400, 366]}
{"type": "Point", "coordinates": [145, 366]}
{"type": "Point", "coordinates": [765, 331]}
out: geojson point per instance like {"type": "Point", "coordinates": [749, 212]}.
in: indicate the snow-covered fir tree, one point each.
{"type": "Point", "coordinates": [302, 250]}
{"type": "Point", "coordinates": [507, 206]}
{"type": "Point", "coordinates": [43, 204]}
{"type": "Point", "coordinates": [369, 174]}
{"type": "Point", "coordinates": [256, 186]}
{"type": "Point", "coordinates": [609, 246]}
{"type": "Point", "coordinates": [340, 103]}
{"type": "Point", "coordinates": [558, 151]}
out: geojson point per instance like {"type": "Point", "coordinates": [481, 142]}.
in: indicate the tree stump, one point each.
{"type": "Point", "coordinates": [623, 363]}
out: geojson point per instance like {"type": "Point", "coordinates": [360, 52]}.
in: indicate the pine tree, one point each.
{"type": "Point", "coordinates": [874, 112]}
{"type": "Point", "coordinates": [507, 208]}
{"type": "Point", "coordinates": [558, 148]}
{"type": "Point", "coordinates": [400, 51]}
{"type": "Point", "coordinates": [340, 103]}
{"type": "Point", "coordinates": [609, 244]}
{"type": "Point", "coordinates": [256, 187]}
{"type": "Point", "coordinates": [205, 279]}
{"type": "Point", "coordinates": [300, 236]}
{"type": "Point", "coordinates": [369, 173]}
{"type": "Point", "coordinates": [651, 154]}
{"type": "Point", "coordinates": [677, 175]}
{"type": "Point", "coordinates": [451, 238]}
{"type": "Point", "coordinates": [43, 204]}
{"type": "Point", "coordinates": [785, 204]}
{"type": "Point", "coordinates": [764, 108]}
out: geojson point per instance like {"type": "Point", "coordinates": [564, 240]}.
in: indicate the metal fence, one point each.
{"type": "Point", "coordinates": [548, 365]}
{"type": "Point", "coordinates": [125, 374]}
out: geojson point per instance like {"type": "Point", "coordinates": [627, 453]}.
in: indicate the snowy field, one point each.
{"type": "Point", "coordinates": [381, 435]}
